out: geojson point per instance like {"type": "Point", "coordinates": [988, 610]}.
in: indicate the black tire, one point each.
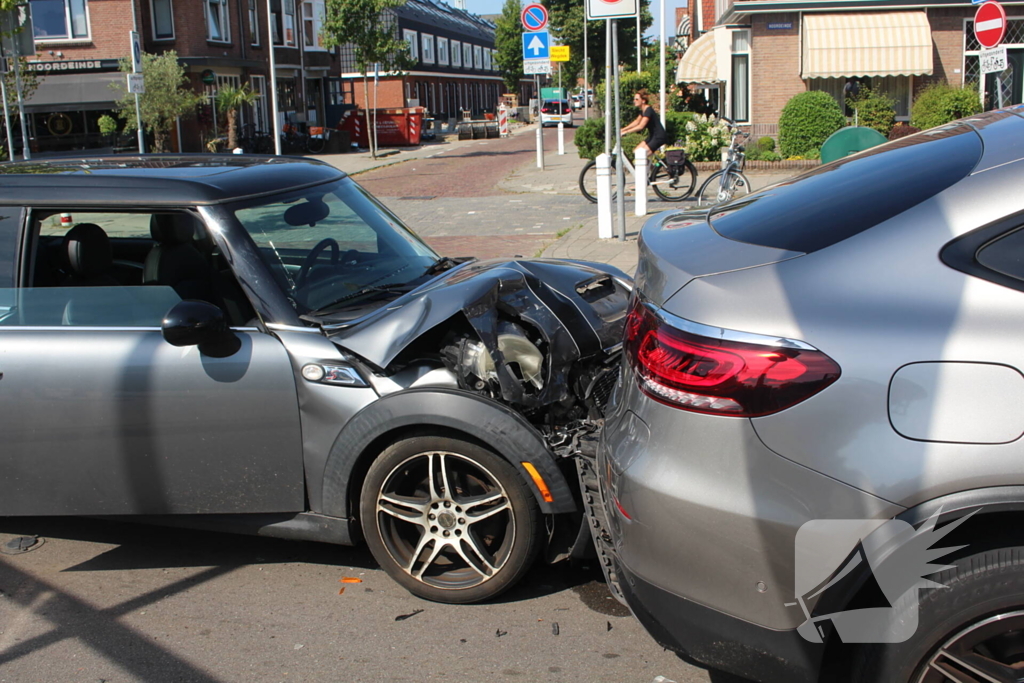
{"type": "Point", "coordinates": [712, 193]}
{"type": "Point", "coordinates": [423, 534]}
{"type": "Point", "coordinates": [674, 183]}
{"type": "Point", "coordinates": [316, 143]}
{"type": "Point", "coordinates": [588, 181]}
{"type": "Point", "coordinates": [976, 621]}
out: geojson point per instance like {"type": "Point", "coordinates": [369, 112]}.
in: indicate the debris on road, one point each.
{"type": "Point", "coordinates": [554, 628]}
{"type": "Point", "coordinates": [403, 617]}
{"type": "Point", "coordinates": [609, 625]}
{"type": "Point", "coordinates": [341, 590]}
{"type": "Point", "coordinates": [349, 579]}
{"type": "Point", "coordinates": [499, 633]}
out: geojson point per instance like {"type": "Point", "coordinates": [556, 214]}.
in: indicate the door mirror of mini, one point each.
{"type": "Point", "coordinates": [198, 323]}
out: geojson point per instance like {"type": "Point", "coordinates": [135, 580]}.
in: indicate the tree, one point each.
{"type": "Point", "coordinates": [370, 27]}
{"type": "Point", "coordinates": [29, 82]}
{"type": "Point", "coordinates": [229, 101]}
{"type": "Point", "coordinates": [509, 43]}
{"type": "Point", "coordinates": [168, 96]}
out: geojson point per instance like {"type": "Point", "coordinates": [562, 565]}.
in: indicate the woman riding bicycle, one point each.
{"type": "Point", "coordinates": [647, 120]}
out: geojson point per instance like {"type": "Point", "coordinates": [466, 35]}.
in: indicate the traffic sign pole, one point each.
{"type": "Point", "coordinates": [133, 37]}
{"type": "Point", "coordinates": [620, 171]}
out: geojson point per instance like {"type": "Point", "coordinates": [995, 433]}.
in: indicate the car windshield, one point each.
{"type": "Point", "coordinates": [333, 247]}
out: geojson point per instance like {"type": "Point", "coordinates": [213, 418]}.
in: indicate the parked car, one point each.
{"type": "Point", "coordinates": [821, 380]}
{"type": "Point", "coordinates": [577, 102]}
{"type": "Point", "coordinates": [256, 344]}
{"type": "Point", "coordinates": [553, 112]}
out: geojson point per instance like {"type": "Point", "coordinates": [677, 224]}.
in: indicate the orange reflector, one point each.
{"type": "Point", "coordinates": [538, 482]}
{"type": "Point", "coordinates": [349, 579]}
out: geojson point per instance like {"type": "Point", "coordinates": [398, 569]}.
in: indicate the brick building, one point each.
{"type": "Point", "coordinates": [454, 66]}
{"type": "Point", "coordinates": [751, 56]}
{"type": "Point", "coordinates": [225, 42]}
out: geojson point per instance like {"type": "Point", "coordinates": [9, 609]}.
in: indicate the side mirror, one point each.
{"type": "Point", "coordinates": [198, 323]}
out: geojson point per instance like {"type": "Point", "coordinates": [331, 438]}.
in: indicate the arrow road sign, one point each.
{"type": "Point", "coordinates": [536, 45]}
{"type": "Point", "coordinates": [534, 17]}
{"type": "Point", "coordinates": [990, 24]}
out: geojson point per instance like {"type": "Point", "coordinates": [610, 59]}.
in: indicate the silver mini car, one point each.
{"type": "Point", "coordinates": [822, 403]}
{"type": "Point", "coordinates": [256, 344]}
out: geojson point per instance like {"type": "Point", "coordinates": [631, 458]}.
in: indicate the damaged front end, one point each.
{"type": "Point", "coordinates": [542, 337]}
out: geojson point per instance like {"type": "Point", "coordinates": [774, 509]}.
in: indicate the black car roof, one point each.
{"type": "Point", "coordinates": [157, 179]}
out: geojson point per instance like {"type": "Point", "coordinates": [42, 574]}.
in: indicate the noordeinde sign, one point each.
{"type": "Point", "coordinates": [77, 65]}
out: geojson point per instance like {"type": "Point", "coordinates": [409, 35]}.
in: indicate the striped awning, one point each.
{"type": "Point", "coordinates": [866, 44]}
{"type": "Point", "coordinates": [698, 64]}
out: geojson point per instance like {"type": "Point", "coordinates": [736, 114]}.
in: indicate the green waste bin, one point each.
{"type": "Point", "coordinates": [849, 140]}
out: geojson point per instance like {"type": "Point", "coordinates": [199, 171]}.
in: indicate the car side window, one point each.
{"type": "Point", "coordinates": [10, 222]}
{"type": "Point", "coordinates": [1005, 255]}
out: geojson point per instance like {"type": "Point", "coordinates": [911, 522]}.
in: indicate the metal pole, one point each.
{"type": "Point", "coordinates": [586, 71]}
{"type": "Point", "coordinates": [25, 153]}
{"type": "Point", "coordinates": [620, 170]}
{"type": "Point", "coordinates": [639, 65]}
{"type": "Point", "coordinates": [138, 107]}
{"type": "Point", "coordinates": [7, 118]}
{"type": "Point", "coordinates": [607, 86]}
{"type": "Point", "coordinates": [273, 81]}
{"type": "Point", "coordinates": [661, 61]}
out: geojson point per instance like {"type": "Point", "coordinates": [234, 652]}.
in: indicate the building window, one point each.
{"type": "Point", "coordinates": [739, 84]}
{"type": "Point", "coordinates": [59, 19]}
{"type": "Point", "coordinates": [487, 60]}
{"type": "Point", "coordinates": [217, 27]}
{"type": "Point", "coordinates": [456, 53]}
{"type": "Point", "coordinates": [259, 86]}
{"type": "Point", "coordinates": [312, 16]}
{"type": "Point", "coordinates": [163, 19]}
{"type": "Point", "coordinates": [427, 41]}
{"type": "Point", "coordinates": [442, 51]}
{"type": "Point", "coordinates": [412, 39]}
{"type": "Point", "coordinates": [467, 55]}
{"type": "Point", "coordinates": [254, 23]}
{"type": "Point", "coordinates": [286, 94]}
{"type": "Point", "coordinates": [896, 88]}
{"type": "Point", "coordinates": [283, 22]}
{"type": "Point", "coordinates": [478, 57]}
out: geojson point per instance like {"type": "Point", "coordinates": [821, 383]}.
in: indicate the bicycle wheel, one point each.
{"type": "Point", "coordinates": [716, 191]}
{"type": "Point", "coordinates": [588, 181]}
{"type": "Point", "coordinates": [316, 143]}
{"type": "Point", "coordinates": [674, 183]}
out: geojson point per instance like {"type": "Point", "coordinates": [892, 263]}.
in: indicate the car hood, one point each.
{"type": "Point", "coordinates": [578, 307]}
{"type": "Point", "coordinates": [678, 246]}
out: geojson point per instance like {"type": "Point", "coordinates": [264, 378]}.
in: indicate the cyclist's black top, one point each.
{"type": "Point", "coordinates": [655, 131]}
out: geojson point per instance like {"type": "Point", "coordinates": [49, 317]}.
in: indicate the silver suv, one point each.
{"type": "Point", "coordinates": [822, 402]}
{"type": "Point", "coordinates": [256, 344]}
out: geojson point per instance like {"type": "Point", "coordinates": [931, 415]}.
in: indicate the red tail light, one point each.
{"type": "Point", "coordinates": [720, 376]}
{"type": "Point", "coordinates": [545, 110]}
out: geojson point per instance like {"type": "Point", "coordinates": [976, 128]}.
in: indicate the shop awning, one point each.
{"type": "Point", "coordinates": [71, 92]}
{"type": "Point", "coordinates": [866, 44]}
{"type": "Point", "coordinates": [699, 64]}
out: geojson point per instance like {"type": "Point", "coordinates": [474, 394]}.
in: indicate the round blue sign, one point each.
{"type": "Point", "coordinates": [534, 17]}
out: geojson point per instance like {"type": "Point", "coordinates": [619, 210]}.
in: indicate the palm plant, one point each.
{"type": "Point", "coordinates": [229, 100]}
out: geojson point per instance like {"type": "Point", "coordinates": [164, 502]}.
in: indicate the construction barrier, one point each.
{"type": "Point", "coordinates": [395, 127]}
{"type": "Point", "coordinates": [503, 121]}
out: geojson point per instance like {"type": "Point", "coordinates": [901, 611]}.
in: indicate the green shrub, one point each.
{"type": "Point", "coordinates": [902, 130]}
{"type": "Point", "coordinates": [874, 110]}
{"type": "Point", "coordinates": [107, 124]}
{"type": "Point", "coordinates": [705, 138]}
{"type": "Point", "coordinates": [589, 138]}
{"type": "Point", "coordinates": [940, 103]}
{"type": "Point", "coordinates": [766, 144]}
{"type": "Point", "coordinates": [675, 125]}
{"type": "Point", "coordinates": [806, 122]}
{"type": "Point", "coordinates": [758, 154]}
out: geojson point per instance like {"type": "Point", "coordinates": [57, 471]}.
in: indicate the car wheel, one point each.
{"type": "Point", "coordinates": [972, 631]}
{"type": "Point", "coordinates": [449, 520]}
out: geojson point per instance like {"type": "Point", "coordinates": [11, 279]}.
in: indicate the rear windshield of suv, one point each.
{"type": "Point", "coordinates": [839, 200]}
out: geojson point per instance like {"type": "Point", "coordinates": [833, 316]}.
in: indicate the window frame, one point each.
{"type": "Point", "coordinates": [442, 51]}
{"type": "Point", "coordinates": [412, 39]}
{"type": "Point", "coordinates": [427, 50]}
{"type": "Point", "coordinates": [456, 54]}
{"type": "Point", "coordinates": [69, 26]}
{"type": "Point", "coordinates": [153, 16]}
{"type": "Point", "coordinates": [316, 10]}
{"type": "Point", "coordinates": [478, 57]}
{"type": "Point", "coordinates": [225, 19]}
{"type": "Point", "coordinates": [254, 23]}
{"type": "Point", "coordinates": [737, 56]}
{"type": "Point", "coordinates": [467, 51]}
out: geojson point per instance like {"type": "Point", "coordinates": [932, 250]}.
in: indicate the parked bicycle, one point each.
{"type": "Point", "coordinates": [670, 174]}
{"type": "Point", "coordinates": [729, 183]}
{"type": "Point", "coordinates": [317, 140]}
{"type": "Point", "coordinates": [254, 141]}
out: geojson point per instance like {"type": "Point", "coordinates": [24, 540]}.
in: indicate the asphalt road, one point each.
{"type": "Point", "coordinates": [101, 601]}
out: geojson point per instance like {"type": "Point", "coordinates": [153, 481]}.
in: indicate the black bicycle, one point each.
{"type": "Point", "coordinates": [254, 141]}
{"type": "Point", "coordinates": [670, 174]}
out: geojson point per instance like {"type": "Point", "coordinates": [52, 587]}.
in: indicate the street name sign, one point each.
{"type": "Point", "coordinates": [536, 66]}
{"type": "Point", "coordinates": [990, 24]}
{"type": "Point", "coordinates": [534, 17]}
{"type": "Point", "coordinates": [559, 53]}
{"type": "Point", "coordinates": [993, 61]}
{"type": "Point", "coordinates": [612, 9]}
{"type": "Point", "coordinates": [536, 45]}
{"type": "Point", "coordinates": [136, 85]}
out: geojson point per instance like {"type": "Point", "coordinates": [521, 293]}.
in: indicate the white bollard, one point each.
{"type": "Point", "coordinates": [640, 164]}
{"type": "Point", "coordinates": [540, 146]}
{"type": "Point", "coordinates": [561, 139]}
{"type": "Point", "coordinates": [604, 196]}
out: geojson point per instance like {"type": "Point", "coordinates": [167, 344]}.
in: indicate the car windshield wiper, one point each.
{"type": "Point", "coordinates": [442, 264]}
{"type": "Point", "coordinates": [369, 289]}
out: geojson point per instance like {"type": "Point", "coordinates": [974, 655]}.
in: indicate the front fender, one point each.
{"type": "Point", "coordinates": [490, 422]}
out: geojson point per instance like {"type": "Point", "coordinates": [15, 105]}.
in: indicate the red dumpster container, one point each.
{"type": "Point", "coordinates": [395, 127]}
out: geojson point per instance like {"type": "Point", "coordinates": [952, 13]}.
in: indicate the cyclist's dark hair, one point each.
{"type": "Point", "coordinates": [645, 96]}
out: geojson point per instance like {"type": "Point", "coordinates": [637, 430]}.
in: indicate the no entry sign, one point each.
{"type": "Point", "coordinates": [990, 24]}
{"type": "Point", "coordinates": [534, 17]}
